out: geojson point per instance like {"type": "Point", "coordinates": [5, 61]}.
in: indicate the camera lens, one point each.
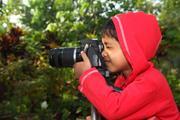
{"type": "Point", "coordinates": [64, 57]}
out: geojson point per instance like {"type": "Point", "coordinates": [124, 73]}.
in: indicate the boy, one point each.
{"type": "Point", "coordinates": [130, 40]}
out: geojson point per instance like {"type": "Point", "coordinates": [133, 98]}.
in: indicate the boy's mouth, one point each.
{"type": "Point", "coordinates": [106, 60]}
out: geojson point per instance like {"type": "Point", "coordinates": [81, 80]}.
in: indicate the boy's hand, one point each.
{"type": "Point", "coordinates": [88, 118]}
{"type": "Point", "coordinates": [80, 67]}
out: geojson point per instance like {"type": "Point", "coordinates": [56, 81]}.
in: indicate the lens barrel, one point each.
{"type": "Point", "coordinates": [64, 57]}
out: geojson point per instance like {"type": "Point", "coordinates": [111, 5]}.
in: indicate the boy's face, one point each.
{"type": "Point", "coordinates": [113, 55]}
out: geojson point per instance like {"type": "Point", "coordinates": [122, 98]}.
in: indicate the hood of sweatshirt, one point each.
{"type": "Point", "coordinates": [139, 37]}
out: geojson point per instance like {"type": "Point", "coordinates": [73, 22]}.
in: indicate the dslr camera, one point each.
{"type": "Point", "coordinates": [67, 57]}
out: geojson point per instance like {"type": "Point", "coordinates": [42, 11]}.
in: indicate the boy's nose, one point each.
{"type": "Point", "coordinates": [104, 54]}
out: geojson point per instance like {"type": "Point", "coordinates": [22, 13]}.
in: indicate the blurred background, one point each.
{"type": "Point", "coordinates": [30, 89]}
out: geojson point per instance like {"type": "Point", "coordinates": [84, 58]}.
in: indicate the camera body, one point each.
{"type": "Point", "coordinates": [67, 57]}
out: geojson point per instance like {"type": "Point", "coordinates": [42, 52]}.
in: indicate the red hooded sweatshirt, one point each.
{"type": "Point", "coordinates": [145, 92]}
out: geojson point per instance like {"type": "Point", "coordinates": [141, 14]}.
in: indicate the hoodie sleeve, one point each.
{"type": "Point", "coordinates": [127, 104]}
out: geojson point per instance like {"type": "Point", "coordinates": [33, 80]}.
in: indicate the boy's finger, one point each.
{"type": "Point", "coordinates": [84, 56]}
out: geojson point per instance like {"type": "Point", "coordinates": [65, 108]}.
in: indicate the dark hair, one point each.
{"type": "Point", "coordinates": [109, 30]}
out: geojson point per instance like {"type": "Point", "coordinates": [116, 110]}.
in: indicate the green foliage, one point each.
{"type": "Point", "coordinates": [30, 88]}
{"type": "Point", "coordinates": [170, 24]}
